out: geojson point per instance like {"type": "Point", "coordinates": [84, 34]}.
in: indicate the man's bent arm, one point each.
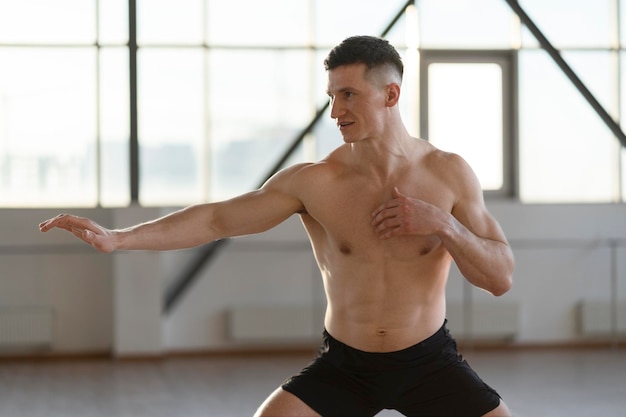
{"type": "Point", "coordinates": [473, 237]}
{"type": "Point", "coordinates": [481, 253]}
{"type": "Point", "coordinates": [470, 234]}
{"type": "Point", "coordinates": [486, 262]}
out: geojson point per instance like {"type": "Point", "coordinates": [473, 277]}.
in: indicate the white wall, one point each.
{"type": "Point", "coordinates": [52, 270]}
{"type": "Point", "coordinates": [563, 257]}
{"type": "Point", "coordinates": [113, 302]}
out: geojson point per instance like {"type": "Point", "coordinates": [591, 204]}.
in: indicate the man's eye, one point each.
{"type": "Point", "coordinates": [348, 94]}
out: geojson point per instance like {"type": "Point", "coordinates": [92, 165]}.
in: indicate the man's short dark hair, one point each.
{"type": "Point", "coordinates": [369, 50]}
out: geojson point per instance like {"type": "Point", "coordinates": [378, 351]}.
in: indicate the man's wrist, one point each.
{"type": "Point", "coordinates": [447, 228]}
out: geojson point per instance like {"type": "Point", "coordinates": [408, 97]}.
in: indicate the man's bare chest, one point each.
{"type": "Point", "coordinates": [343, 224]}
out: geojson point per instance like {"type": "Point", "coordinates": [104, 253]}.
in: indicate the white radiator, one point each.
{"type": "Point", "coordinates": [26, 327]}
{"type": "Point", "coordinates": [274, 323]}
{"type": "Point", "coordinates": [598, 318]}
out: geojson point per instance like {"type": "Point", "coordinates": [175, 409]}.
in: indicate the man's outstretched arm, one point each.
{"type": "Point", "coordinates": [253, 212]}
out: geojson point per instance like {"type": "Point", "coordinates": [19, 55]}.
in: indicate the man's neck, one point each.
{"type": "Point", "coordinates": [383, 157]}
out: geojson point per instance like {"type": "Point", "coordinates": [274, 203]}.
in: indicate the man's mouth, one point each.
{"type": "Point", "coordinates": [343, 125]}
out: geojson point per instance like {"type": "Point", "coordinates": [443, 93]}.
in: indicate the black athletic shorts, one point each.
{"type": "Point", "coordinates": [427, 379]}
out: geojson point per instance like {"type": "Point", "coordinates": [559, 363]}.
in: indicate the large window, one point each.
{"type": "Point", "coordinates": [567, 154]}
{"type": "Point", "coordinates": [560, 150]}
{"type": "Point", "coordinates": [466, 109]}
{"type": "Point", "coordinates": [221, 94]}
{"type": "Point", "coordinates": [63, 103]}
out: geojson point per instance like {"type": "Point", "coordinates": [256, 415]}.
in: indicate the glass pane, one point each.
{"type": "Point", "coordinates": [622, 20]}
{"type": "Point", "coordinates": [567, 154]}
{"type": "Point", "coordinates": [596, 69]}
{"type": "Point", "coordinates": [260, 101]}
{"type": "Point", "coordinates": [114, 127]}
{"type": "Point", "coordinates": [465, 116]}
{"type": "Point", "coordinates": [570, 23]}
{"type": "Point", "coordinates": [335, 21]}
{"type": "Point", "coordinates": [47, 127]}
{"type": "Point", "coordinates": [47, 22]}
{"type": "Point", "coordinates": [113, 15]}
{"type": "Point", "coordinates": [170, 22]}
{"type": "Point", "coordinates": [397, 35]}
{"type": "Point", "coordinates": [465, 24]}
{"type": "Point", "coordinates": [269, 22]}
{"type": "Point", "coordinates": [410, 96]}
{"type": "Point", "coordinates": [171, 134]}
{"type": "Point", "coordinates": [327, 136]}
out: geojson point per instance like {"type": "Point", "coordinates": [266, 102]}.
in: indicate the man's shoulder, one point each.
{"type": "Point", "coordinates": [302, 175]}
{"type": "Point", "coordinates": [445, 161]}
{"type": "Point", "coordinates": [452, 172]}
{"type": "Point", "coordinates": [330, 166]}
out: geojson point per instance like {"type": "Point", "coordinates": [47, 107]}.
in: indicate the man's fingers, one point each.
{"type": "Point", "coordinates": [65, 221]}
{"type": "Point", "coordinates": [82, 228]}
{"type": "Point", "coordinates": [382, 215]}
{"type": "Point", "coordinates": [387, 223]}
{"type": "Point", "coordinates": [46, 225]}
{"type": "Point", "coordinates": [385, 218]}
{"type": "Point", "coordinates": [385, 209]}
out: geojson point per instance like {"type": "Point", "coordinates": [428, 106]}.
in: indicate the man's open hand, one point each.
{"type": "Point", "coordinates": [88, 231]}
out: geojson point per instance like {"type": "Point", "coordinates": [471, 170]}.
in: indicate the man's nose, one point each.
{"type": "Point", "coordinates": [336, 109]}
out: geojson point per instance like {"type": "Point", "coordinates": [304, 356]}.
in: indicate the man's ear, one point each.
{"type": "Point", "coordinates": [393, 94]}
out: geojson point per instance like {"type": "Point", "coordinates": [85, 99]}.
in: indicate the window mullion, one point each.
{"type": "Point", "coordinates": [134, 130]}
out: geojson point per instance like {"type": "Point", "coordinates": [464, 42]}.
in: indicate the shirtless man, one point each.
{"type": "Point", "coordinates": [386, 214]}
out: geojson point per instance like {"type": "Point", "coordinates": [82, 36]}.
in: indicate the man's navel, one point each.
{"type": "Point", "coordinates": [381, 332]}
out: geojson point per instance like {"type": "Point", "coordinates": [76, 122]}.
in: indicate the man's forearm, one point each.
{"type": "Point", "coordinates": [486, 263]}
{"type": "Point", "coordinates": [184, 228]}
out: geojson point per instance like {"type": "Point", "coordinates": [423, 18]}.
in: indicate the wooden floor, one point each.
{"type": "Point", "coordinates": [534, 383]}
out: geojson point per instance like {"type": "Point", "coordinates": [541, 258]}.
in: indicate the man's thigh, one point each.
{"type": "Point", "coordinates": [284, 404]}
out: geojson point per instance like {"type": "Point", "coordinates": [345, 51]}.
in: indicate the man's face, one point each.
{"type": "Point", "coordinates": [356, 102]}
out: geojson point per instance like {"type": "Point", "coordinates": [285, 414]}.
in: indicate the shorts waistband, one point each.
{"type": "Point", "coordinates": [336, 349]}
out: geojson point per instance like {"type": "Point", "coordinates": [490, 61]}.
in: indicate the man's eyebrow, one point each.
{"type": "Point", "coordinates": [341, 90]}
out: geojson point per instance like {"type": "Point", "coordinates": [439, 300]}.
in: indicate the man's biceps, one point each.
{"type": "Point", "coordinates": [479, 222]}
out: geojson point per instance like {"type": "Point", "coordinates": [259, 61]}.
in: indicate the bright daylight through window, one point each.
{"type": "Point", "coordinates": [222, 94]}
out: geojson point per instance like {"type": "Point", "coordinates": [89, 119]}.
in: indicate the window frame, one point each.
{"type": "Point", "coordinates": [507, 60]}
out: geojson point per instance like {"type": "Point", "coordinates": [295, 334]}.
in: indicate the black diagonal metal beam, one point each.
{"type": "Point", "coordinates": [210, 250]}
{"type": "Point", "coordinates": [567, 70]}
